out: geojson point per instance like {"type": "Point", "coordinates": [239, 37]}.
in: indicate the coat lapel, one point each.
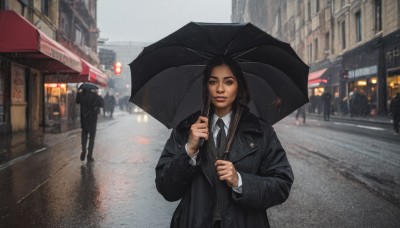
{"type": "Point", "coordinates": [247, 138]}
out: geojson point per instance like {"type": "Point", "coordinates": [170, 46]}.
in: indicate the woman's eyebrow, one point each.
{"type": "Point", "coordinates": [226, 77]}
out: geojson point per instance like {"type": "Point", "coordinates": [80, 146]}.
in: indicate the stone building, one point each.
{"type": "Point", "coordinates": [125, 52]}
{"type": "Point", "coordinates": [47, 47]}
{"type": "Point", "coordinates": [351, 46]}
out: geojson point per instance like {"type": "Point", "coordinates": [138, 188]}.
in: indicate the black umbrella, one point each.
{"type": "Point", "coordinates": [167, 75]}
{"type": "Point", "coordinates": [88, 86]}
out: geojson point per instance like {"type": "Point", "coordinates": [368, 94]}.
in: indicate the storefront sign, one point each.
{"type": "Point", "coordinates": [17, 85]}
{"type": "Point", "coordinates": [392, 58]}
{"type": "Point", "coordinates": [55, 54]}
{"type": "Point", "coordinates": [371, 70]}
{"type": "Point", "coordinates": [63, 78]}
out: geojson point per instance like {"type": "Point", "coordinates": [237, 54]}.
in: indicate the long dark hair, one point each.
{"type": "Point", "coordinates": [242, 97]}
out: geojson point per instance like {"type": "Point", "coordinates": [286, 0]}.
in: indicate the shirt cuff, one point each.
{"type": "Point", "coordinates": [238, 189]}
{"type": "Point", "coordinates": [192, 158]}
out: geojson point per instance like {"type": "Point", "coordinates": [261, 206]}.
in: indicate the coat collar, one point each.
{"type": "Point", "coordinates": [249, 130]}
{"type": "Point", "coordinates": [247, 137]}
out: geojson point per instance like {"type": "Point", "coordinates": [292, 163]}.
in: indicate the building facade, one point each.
{"type": "Point", "coordinates": [351, 46]}
{"type": "Point", "coordinates": [41, 65]}
{"type": "Point", "coordinates": [124, 53]}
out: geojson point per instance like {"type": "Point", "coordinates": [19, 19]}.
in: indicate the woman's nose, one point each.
{"type": "Point", "coordinates": [220, 87]}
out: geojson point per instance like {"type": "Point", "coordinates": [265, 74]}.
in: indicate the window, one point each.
{"type": "Point", "coordinates": [45, 7]}
{"type": "Point", "coordinates": [316, 6]}
{"type": "Point", "coordinates": [378, 15]}
{"type": "Point", "coordinates": [309, 10]}
{"type": "Point", "coordinates": [2, 5]}
{"type": "Point", "coordinates": [78, 36]}
{"type": "Point", "coordinates": [342, 3]}
{"type": "Point", "coordinates": [358, 27]}
{"type": "Point", "coordinates": [326, 51]}
{"type": "Point", "coordinates": [64, 25]}
{"type": "Point", "coordinates": [343, 26]}
{"type": "Point", "coordinates": [315, 50]}
{"type": "Point", "coordinates": [310, 53]}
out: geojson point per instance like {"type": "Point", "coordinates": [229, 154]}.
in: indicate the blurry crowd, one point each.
{"type": "Point", "coordinates": [112, 101]}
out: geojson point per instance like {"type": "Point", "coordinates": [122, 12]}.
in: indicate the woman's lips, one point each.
{"type": "Point", "coordinates": [220, 99]}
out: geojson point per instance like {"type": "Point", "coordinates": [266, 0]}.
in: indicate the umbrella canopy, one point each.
{"type": "Point", "coordinates": [167, 76]}
{"type": "Point", "coordinates": [88, 86]}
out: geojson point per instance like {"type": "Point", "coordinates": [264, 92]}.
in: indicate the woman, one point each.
{"type": "Point", "coordinates": [215, 192]}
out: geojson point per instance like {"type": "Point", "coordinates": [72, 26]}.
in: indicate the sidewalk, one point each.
{"type": "Point", "coordinates": [378, 120]}
{"type": "Point", "coordinates": [17, 146]}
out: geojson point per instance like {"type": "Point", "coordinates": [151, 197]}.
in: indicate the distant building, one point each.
{"type": "Point", "coordinates": [348, 44]}
{"type": "Point", "coordinates": [125, 53]}
{"type": "Point", "coordinates": [48, 47]}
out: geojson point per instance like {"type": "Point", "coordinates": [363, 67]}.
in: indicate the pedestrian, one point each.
{"type": "Point", "coordinates": [106, 107]}
{"type": "Point", "coordinates": [216, 188]}
{"type": "Point", "coordinates": [90, 103]}
{"type": "Point", "coordinates": [301, 111]}
{"type": "Point", "coordinates": [395, 112]}
{"type": "Point", "coordinates": [326, 102]}
{"type": "Point", "coordinates": [111, 105]}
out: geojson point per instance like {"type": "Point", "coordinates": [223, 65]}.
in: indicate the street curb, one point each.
{"type": "Point", "coordinates": [370, 120]}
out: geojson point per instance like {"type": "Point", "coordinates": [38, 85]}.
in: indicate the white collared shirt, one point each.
{"type": "Point", "coordinates": [215, 129]}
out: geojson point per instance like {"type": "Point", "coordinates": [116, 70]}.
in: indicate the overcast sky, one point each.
{"type": "Point", "coordinates": [151, 20]}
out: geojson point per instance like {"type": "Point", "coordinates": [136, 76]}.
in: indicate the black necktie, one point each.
{"type": "Point", "coordinates": [221, 137]}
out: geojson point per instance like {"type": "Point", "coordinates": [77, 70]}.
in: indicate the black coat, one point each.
{"type": "Point", "coordinates": [90, 103]}
{"type": "Point", "coordinates": [257, 155]}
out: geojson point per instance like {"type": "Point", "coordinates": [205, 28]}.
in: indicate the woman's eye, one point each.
{"type": "Point", "coordinates": [212, 82]}
{"type": "Point", "coordinates": [229, 82]}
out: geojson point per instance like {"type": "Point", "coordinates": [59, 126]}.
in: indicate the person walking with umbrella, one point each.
{"type": "Point", "coordinates": [239, 172]}
{"type": "Point", "coordinates": [90, 103]}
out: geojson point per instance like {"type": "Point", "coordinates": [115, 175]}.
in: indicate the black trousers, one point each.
{"type": "Point", "coordinates": [90, 133]}
{"type": "Point", "coordinates": [327, 111]}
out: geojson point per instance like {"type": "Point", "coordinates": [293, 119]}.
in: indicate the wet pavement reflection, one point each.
{"type": "Point", "coordinates": [53, 188]}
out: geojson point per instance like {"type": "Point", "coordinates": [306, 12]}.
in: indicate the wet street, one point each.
{"type": "Point", "coordinates": [346, 175]}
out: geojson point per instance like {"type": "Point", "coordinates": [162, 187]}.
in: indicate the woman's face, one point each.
{"type": "Point", "coordinates": [222, 88]}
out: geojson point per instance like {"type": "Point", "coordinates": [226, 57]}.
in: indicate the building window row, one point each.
{"type": "Point", "coordinates": [358, 26]}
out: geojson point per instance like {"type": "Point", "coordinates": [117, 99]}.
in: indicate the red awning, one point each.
{"type": "Point", "coordinates": [92, 74]}
{"type": "Point", "coordinates": [89, 73]}
{"type": "Point", "coordinates": [315, 77]}
{"type": "Point", "coordinates": [24, 43]}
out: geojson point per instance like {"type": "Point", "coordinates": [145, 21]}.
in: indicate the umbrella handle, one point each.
{"type": "Point", "coordinates": [201, 142]}
{"type": "Point", "coordinates": [205, 112]}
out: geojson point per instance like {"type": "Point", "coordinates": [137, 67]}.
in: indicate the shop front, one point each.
{"type": "Point", "coordinates": [392, 61]}
{"type": "Point", "coordinates": [332, 75]}
{"type": "Point", "coordinates": [363, 86]}
{"type": "Point", "coordinates": [316, 87]}
{"type": "Point", "coordinates": [60, 94]}
{"type": "Point", "coordinates": [363, 79]}
{"type": "Point", "coordinates": [26, 56]}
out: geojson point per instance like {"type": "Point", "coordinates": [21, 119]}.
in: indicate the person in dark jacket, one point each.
{"type": "Point", "coordinates": [90, 103]}
{"type": "Point", "coordinates": [326, 101]}
{"type": "Point", "coordinates": [395, 112]}
{"type": "Point", "coordinates": [223, 183]}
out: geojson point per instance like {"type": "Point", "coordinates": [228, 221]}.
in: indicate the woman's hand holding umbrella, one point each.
{"type": "Point", "coordinates": [198, 130]}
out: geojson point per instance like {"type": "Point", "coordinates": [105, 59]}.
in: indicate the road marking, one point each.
{"type": "Point", "coordinates": [360, 126]}
{"type": "Point", "coordinates": [7, 164]}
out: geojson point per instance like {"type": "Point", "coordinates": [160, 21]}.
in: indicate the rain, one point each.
{"type": "Point", "coordinates": [101, 101]}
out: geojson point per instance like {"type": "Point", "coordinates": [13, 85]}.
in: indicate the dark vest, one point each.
{"type": "Point", "coordinates": [222, 191]}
